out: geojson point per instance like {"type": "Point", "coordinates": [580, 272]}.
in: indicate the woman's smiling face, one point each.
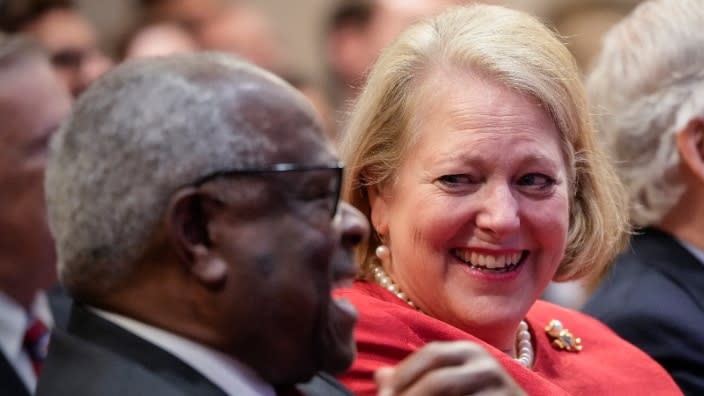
{"type": "Point", "coordinates": [477, 217]}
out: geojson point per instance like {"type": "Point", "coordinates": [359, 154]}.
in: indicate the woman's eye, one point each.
{"type": "Point", "coordinates": [537, 181]}
{"type": "Point", "coordinates": [450, 180]}
{"type": "Point", "coordinates": [458, 183]}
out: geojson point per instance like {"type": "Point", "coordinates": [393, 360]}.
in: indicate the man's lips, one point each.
{"type": "Point", "coordinates": [340, 302]}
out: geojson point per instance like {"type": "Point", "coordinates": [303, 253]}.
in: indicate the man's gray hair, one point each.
{"type": "Point", "coordinates": [136, 136]}
{"type": "Point", "coordinates": [647, 83]}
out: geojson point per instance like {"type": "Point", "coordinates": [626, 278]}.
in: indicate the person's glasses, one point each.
{"type": "Point", "coordinates": [315, 189]}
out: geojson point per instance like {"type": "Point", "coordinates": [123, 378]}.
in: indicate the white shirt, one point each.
{"type": "Point", "coordinates": [696, 252]}
{"type": "Point", "coordinates": [233, 377]}
{"type": "Point", "coordinates": [14, 320]}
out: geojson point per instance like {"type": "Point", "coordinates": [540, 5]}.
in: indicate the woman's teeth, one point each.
{"type": "Point", "coordinates": [500, 262]}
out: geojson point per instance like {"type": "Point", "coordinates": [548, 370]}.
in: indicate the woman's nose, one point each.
{"type": "Point", "coordinates": [499, 212]}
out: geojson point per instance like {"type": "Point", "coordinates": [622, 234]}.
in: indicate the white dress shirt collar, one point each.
{"type": "Point", "coordinates": [233, 377]}
{"type": "Point", "coordinates": [14, 320]}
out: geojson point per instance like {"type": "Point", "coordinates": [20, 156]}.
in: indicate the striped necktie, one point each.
{"type": "Point", "coordinates": [36, 343]}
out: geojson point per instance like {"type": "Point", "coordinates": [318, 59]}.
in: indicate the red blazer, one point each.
{"type": "Point", "coordinates": [389, 330]}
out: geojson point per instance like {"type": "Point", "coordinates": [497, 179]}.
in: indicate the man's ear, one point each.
{"type": "Point", "coordinates": [690, 143]}
{"type": "Point", "coordinates": [188, 220]}
{"type": "Point", "coordinates": [379, 208]}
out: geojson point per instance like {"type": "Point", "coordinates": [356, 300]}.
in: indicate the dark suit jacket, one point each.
{"type": "Point", "coordinates": [96, 357]}
{"type": "Point", "coordinates": [654, 298]}
{"type": "Point", "coordinates": [10, 382]}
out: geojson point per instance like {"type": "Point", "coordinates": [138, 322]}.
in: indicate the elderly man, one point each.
{"type": "Point", "coordinates": [194, 203]}
{"type": "Point", "coordinates": [649, 85]}
{"type": "Point", "coordinates": [32, 104]}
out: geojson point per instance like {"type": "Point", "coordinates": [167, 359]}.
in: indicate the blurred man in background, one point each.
{"type": "Point", "coordinates": [244, 30]}
{"type": "Point", "coordinates": [32, 104]}
{"type": "Point", "coordinates": [358, 30]}
{"type": "Point", "coordinates": [64, 32]}
{"type": "Point", "coordinates": [190, 14]}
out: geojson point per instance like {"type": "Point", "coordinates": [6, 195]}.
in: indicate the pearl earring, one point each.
{"type": "Point", "coordinates": [382, 252]}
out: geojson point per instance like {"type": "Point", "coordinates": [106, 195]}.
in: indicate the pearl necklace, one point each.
{"type": "Point", "coordinates": [524, 346]}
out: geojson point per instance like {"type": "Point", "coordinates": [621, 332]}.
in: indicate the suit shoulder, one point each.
{"type": "Point", "coordinates": [75, 367]}
{"type": "Point", "coordinates": [634, 286]}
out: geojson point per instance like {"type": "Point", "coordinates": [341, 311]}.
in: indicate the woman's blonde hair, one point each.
{"type": "Point", "coordinates": [517, 50]}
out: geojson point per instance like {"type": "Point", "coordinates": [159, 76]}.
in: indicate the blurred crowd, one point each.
{"type": "Point", "coordinates": [327, 61]}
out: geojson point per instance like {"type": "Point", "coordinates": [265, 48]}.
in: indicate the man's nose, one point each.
{"type": "Point", "coordinates": [354, 226]}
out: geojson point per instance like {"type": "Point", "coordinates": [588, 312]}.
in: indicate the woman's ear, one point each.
{"type": "Point", "coordinates": [690, 143]}
{"type": "Point", "coordinates": [188, 222]}
{"type": "Point", "coordinates": [379, 208]}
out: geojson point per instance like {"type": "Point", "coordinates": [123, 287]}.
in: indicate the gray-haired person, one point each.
{"type": "Point", "coordinates": [648, 89]}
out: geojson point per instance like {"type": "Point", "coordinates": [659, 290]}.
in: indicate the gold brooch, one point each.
{"type": "Point", "coordinates": [562, 338]}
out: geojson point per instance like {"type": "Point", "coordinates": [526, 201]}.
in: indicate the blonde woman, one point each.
{"type": "Point", "coordinates": [472, 154]}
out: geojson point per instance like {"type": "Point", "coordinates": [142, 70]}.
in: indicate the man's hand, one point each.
{"type": "Point", "coordinates": [447, 368]}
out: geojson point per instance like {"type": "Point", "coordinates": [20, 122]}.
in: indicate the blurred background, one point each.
{"type": "Point", "coordinates": [323, 47]}
{"type": "Point", "coordinates": [300, 24]}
